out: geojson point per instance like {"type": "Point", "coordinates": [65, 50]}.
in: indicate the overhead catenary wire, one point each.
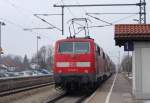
{"type": "Point", "coordinates": [31, 14]}
{"type": "Point", "coordinates": [99, 19]}
{"type": "Point", "coordinates": [48, 22]}
{"type": "Point", "coordinates": [83, 10]}
{"type": "Point", "coordinates": [71, 13]}
{"type": "Point", "coordinates": [44, 20]}
{"type": "Point", "coordinates": [110, 24]}
{"type": "Point", "coordinates": [113, 14]}
{"type": "Point", "coordinates": [68, 9]}
{"type": "Point", "coordinates": [18, 7]}
{"type": "Point", "coordinates": [97, 26]}
{"type": "Point", "coordinates": [63, 18]}
{"type": "Point", "coordinates": [47, 14]}
{"type": "Point", "coordinates": [20, 10]}
{"type": "Point", "coordinates": [124, 18]}
{"type": "Point", "coordinates": [20, 26]}
{"type": "Point", "coordinates": [38, 28]}
{"type": "Point", "coordinates": [10, 22]}
{"type": "Point", "coordinates": [113, 23]}
{"type": "Point", "coordinates": [141, 5]}
{"type": "Point", "coordinates": [82, 7]}
{"type": "Point", "coordinates": [85, 13]}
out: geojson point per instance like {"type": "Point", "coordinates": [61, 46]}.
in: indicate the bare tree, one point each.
{"type": "Point", "coordinates": [26, 62]}
{"type": "Point", "coordinates": [44, 57]}
{"type": "Point", "coordinates": [50, 58]}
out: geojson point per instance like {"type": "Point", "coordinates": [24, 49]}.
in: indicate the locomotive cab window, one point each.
{"type": "Point", "coordinates": [66, 47]}
{"type": "Point", "coordinates": [81, 47]}
{"type": "Point", "coordinates": [74, 47]}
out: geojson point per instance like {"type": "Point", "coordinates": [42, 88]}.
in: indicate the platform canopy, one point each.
{"type": "Point", "coordinates": [131, 32]}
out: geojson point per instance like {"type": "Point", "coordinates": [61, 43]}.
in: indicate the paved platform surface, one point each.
{"type": "Point", "coordinates": [117, 89]}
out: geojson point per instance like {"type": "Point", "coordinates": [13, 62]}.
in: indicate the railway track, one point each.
{"type": "Point", "coordinates": [68, 98]}
{"type": "Point", "coordinates": [78, 97]}
{"type": "Point", "coordinates": [55, 99]}
{"type": "Point", "coordinates": [13, 91]}
{"type": "Point", "coordinates": [20, 84]}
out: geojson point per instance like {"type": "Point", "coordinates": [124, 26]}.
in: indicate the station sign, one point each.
{"type": "Point", "coordinates": [129, 46]}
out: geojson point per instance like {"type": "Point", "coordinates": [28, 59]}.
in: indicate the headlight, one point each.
{"type": "Point", "coordinates": [62, 64]}
{"type": "Point", "coordinates": [83, 64]}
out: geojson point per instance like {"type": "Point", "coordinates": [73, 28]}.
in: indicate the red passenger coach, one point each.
{"type": "Point", "coordinates": [79, 62]}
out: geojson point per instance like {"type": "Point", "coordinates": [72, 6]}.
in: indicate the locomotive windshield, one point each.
{"type": "Point", "coordinates": [74, 47]}
{"type": "Point", "coordinates": [66, 47]}
{"type": "Point", "coordinates": [81, 47]}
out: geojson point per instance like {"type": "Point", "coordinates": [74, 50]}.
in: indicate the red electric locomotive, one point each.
{"type": "Point", "coordinates": [79, 62]}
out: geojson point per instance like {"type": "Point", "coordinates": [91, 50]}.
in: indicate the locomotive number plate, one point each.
{"type": "Point", "coordinates": [72, 64]}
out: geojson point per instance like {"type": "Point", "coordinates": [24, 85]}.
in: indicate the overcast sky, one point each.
{"type": "Point", "coordinates": [18, 14]}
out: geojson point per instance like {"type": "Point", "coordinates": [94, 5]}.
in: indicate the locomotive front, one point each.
{"type": "Point", "coordinates": [74, 63]}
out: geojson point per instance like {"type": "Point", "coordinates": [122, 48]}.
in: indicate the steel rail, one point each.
{"type": "Point", "coordinates": [82, 99]}
{"type": "Point", "coordinates": [13, 91]}
{"type": "Point", "coordinates": [18, 84]}
{"type": "Point", "coordinates": [55, 99]}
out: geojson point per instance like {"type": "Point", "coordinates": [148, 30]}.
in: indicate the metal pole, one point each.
{"type": "Point", "coordinates": [62, 20]}
{"type": "Point", "coordinates": [1, 24]}
{"type": "Point", "coordinates": [128, 63]}
{"type": "Point", "coordinates": [0, 40]}
{"type": "Point", "coordinates": [93, 5]}
{"type": "Point", "coordinates": [140, 15]}
{"type": "Point", "coordinates": [119, 62]}
{"type": "Point", "coordinates": [144, 12]}
{"type": "Point", "coordinates": [37, 52]}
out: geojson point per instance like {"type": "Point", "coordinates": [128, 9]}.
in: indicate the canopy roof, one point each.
{"type": "Point", "coordinates": [131, 32]}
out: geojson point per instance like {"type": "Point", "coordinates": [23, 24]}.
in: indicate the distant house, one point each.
{"type": "Point", "coordinates": [3, 68]}
{"type": "Point", "coordinates": [9, 65]}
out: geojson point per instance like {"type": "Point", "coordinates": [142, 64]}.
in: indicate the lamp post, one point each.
{"type": "Point", "coordinates": [37, 41]}
{"type": "Point", "coordinates": [38, 37]}
{"type": "Point", "coordinates": [1, 24]}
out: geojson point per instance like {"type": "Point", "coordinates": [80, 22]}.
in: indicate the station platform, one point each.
{"type": "Point", "coordinates": [117, 89]}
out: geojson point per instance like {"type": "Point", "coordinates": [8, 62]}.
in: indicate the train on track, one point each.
{"type": "Point", "coordinates": [80, 62]}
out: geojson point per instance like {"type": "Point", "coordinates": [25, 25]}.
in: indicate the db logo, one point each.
{"type": "Point", "coordinates": [72, 64]}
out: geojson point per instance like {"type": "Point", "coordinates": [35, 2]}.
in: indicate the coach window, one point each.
{"type": "Point", "coordinates": [98, 50]}
{"type": "Point", "coordinates": [103, 55]}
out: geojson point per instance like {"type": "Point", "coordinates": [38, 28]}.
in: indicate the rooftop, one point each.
{"type": "Point", "coordinates": [131, 32]}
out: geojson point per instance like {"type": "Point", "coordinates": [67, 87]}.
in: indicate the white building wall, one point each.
{"type": "Point", "coordinates": [141, 70]}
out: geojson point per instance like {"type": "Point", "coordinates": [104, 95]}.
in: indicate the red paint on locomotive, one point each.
{"type": "Point", "coordinates": [80, 60]}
